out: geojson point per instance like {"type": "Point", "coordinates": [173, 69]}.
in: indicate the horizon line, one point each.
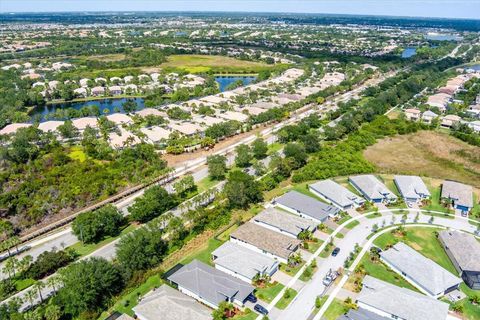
{"type": "Point", "coordinates": [250, 12]}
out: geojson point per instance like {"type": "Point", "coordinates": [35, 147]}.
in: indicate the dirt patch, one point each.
{"type": "Point", "coordinates": [427, 153]}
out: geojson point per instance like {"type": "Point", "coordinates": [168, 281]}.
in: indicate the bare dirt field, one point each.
{"type": "Point", "coordinates": [427, 153]}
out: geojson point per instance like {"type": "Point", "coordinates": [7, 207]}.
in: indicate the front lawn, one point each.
{"type": "Point", "coordinates": [423, 240]}
{"type": "Point", "coordinates": [335, 310]}
{"type": "Point", "coordinates": [291, 271]}
{"type": "Point", "coordinates": [314, 245]}
{"type": "Point", "coordinates": [286, 298]}
{"type": "Point", "coordinates": [352, 224]}
{"type": "Point", "coordinates": [268, 293]}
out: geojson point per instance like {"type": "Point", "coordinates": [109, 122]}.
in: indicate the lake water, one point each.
{"type": "Point", "coordinates": [112, 105]}
{"type": "Point", "coordinates": [409, 52]}
{"type": "Point", "coordinates": [115, 104]}
{"type": "Point", "coordinates": [224, 82]}
{"type": "Point", "coordinates": [443, 37]}
{"type": "Point", "coordinates": [475, 67]}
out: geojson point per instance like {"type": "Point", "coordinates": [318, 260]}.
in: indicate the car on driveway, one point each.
{"type": "Point", "coordinates": [335, 251]}
{"type": "Point", "coordinates": [260, 309]}
{"type": "Point", "coordinates": [330, 277]}
{"type": "Point", "coordinates": [252, 298]}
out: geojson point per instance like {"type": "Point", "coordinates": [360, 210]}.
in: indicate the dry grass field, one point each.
{"type": "Point", "coordinates": [427, 153]}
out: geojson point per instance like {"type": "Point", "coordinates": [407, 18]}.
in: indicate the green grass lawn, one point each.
{"type": "Point", "coordinates": [344, 218]}
{"type": "Point", "coordinates": [285, 301]}
{"type": "Point", "coordinates": [269, 293]}
{"type": "Point", "coordinates": [130, 300]}
{"type": "Point", "coordinates": [327, 251]}
{"type": "Point", "coordinates": [274, 147]}
{"type": "Point", "coordinates": [313, 246]}
{"type": "Point", "coordinates": [85, 249]}
{"type": "Point", "coordinates": [247, 315]}
{"type": "Point", "coordinates": [225, 235]}
{"type": "Point", "coordinates": [470, 311]}
{"type": "Point", "coordinates": [352, 224]}
{"type": "Point", "coordinates": [374, 215]}
{"type": "Point", "coordinates": [303, 188]}
{"type": "Point", "coordinates": [205, 184]}
{"type": "Point", "coordinates": [289, 270]}
{"type": "Point", "coordinates": [435, 204]}
{"type": "Point", "coordinates": [21, 284]}
{"type": "Point", "coordinates": [305, 276]}
{"type": "Point", "coordinates": [382, 272]}
{"type": "Point", "coordinates": [335, 310]}
{"type": "Point", "coordinates": [422, 240]}
{"type": "Point", "coordinates": [204, 255]}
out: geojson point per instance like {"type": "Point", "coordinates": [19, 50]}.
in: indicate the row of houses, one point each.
{"type": "Point", "coordinates": [447, 121]}
{"type": "Point", "coordinates": [256, 248]}
{"type": "Point", "coordinates": [379, 300]}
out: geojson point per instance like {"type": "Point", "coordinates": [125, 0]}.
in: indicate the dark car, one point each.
{"type": "Point", "coordinates": [260, 309]}
{"type": "Point", "coordinates": [335, 252]}
{"type": "Point", "coordinates": [252, 298]}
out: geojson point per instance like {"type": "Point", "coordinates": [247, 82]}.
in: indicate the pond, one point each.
{"type": "Point", "coordinates": [225, 81]}
{"type": "Point", "coordinates": [112, 105]}
{"type": "Point", "coordinates": [409, 52]}
{"type": "Point", "coordinates": [475, 67]}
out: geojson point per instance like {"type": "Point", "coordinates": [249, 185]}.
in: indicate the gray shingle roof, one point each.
{"type": "Point", "coordinates": [307, 205]}
{"type": "Point", "coordinates": [243, 261]}
{"type": "Point", "coordinates": [459, 192]}
{"type": "Point", "coordinates": [411, 187]}
{"type": "Point", "coordinates": [167, 303]}
{"type": "Point", "coordinates": [401, 302]}
{"type": "Point", "coordinates": [336, 193]}
{"type": "Point", "coordinates": [464, 247]}
{"type": "Point", "coordinates": [209, 283]}
{"type": "Point", "coordinates": [264, 239]}
{"type": "Point", "coordinates": [361, 314]}
{"type": "Point", "coordinates": [428, 274]}
{"type": "Point", "coordinates": [285, 221]}
{"type": "Point", "coordinates": [370, 186]}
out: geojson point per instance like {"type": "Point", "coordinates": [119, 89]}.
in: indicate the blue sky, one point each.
{"type": "Point", "coordinates": [422, 8]}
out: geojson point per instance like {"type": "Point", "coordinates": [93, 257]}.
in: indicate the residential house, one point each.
{"type": "Point", "coordinates": [336, 194]}
{"type": "Point", "coordinates": [115, 90]}
{"type": "Point", "coordinates": [119, 118]}
{"type": "Point", "coordinates": [361, 314]}
{"type": "Point", "coordinates": [243, 263]}
{"type": "Point", "coordinates": [428, 116]}
{"type": "Point", "coordinates": [449, 120]}
{"type": "Point", "coordinates": [167, 303]}
{"type": "Point", "coordinates": [156, 134]}
{"type": "Point", "coordinates": [80, 92]}
{"type": "Point", "coordinates": [305, 206]}
{"type": "Point", "coordinates": [13, 127]}
{"type": "Point", "coordinates": [209, 285]}
{"type": "Point", "coordinates": [459, 194]}
{"type": "Point", "coordinates": [463, 250]}
{"type": "Point", "coordinates": [413, 114]}
{"type": "Point", "coordinates": [425, 274]}
{"type": "Point", "coordinates": [394, 302]}
{"type": "Point", "coordinates": [411, 188]}
{"type": "Point", "coordinates": [50, 126]}
{"type": "Point", "coordinates": [97, 91]}
{"type": "Point", "coordinates": [284, 222]}
{"type": "Point", "coordinates": [475, 126]}
{"type": "Point", "coordinates": [83, 82]}
{"type": "Point", "coordinates": [266, 241]}
{"type": "Point", "coordinates": [372, 189]}
{"type": "Point", "coordinates": [82, 123]}
{"type": "Point", "coordinates": [439, 100]}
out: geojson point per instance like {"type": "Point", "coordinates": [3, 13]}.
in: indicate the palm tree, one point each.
{"type": "Point", "coordinates": [9, 267]}
{"type": "Point", "coordinates": [39, 285]}
{"type": "Point", "coordinates": [25, 263]}
{"type": "Point", "coordinates": [31, 295]}
{"type": "Point", "coordinates": [53, 282]}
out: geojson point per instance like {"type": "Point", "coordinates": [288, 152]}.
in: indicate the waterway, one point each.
{"type": "Point", "coordinates": [409, 52]}
{"type": "Point", "coordinates": [112, 105]}
{"type": "Point", "coordinates": [224, 82]}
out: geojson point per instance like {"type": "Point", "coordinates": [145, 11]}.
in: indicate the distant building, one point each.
{"type": "Point", "coordinates": [425, 274]}
{"type": "Point", "coordinates": [459, 194]}
{"type": "Point", "coordinates": [394, 302]}
{"type": "Point", "coordinates": [464, 251]}
{"type": "Point", "coordinates": [361, 314]}
{"type": "Point", "coordinates": [98, 91]}
{"type": "Point", "coordinates": [167, 303]}
{"type": "Point", "coordinates": [336, 194]}
{"type": "Point", "coordinates": [411, 188]}
{"type": "Point", "coordinates": [428, 116]}
{"type": "Point", "coordinates": [450, 120]}
{"type": "Point", "coordinates": [372, 189]}
{"type": "Point", "coordinates": [413, 114]}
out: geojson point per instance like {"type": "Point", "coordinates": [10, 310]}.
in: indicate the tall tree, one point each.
{"type": "Point", "coordinates": [93, 226]}
{"type": "Point", "coordinates": [217, 166]}
{"type": "Point", "coordinates": [153, 203]}
{"type": "Point", "coordinates": [241, 189]}
{"type": "Point", "coordinates": [244, 156]}
{"type": "Point", "coordinates": [259, 148]}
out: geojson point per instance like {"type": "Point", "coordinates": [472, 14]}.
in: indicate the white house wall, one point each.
{"type": "Point", "coordinates": [196, 297]}
{"type": "Point", "coordinates": [254, 248]}
{"type": "Point", "coordinates": [233, 273]}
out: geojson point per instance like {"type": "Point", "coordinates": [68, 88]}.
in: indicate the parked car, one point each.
{"type": "Point", "coordinates": [252, 298]}
{"type": "Point", "coordinates": [260, 309]}
{"type": "Point", "coordinates": [330, 277]}
{"type": "Point", "coordinates": [335, 251]}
